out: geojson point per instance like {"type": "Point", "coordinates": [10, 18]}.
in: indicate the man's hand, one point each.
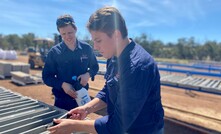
{"type": "Point", "coordinates": [68, 89]}
{"type": "Point", "coordinates": [78, 113]}
{"type": "Point", "coordinates": [84, 78]}
{"type": "Point", "coordinates": [68, 126]}
{"type": "Point", "coordinates": [65, 126]}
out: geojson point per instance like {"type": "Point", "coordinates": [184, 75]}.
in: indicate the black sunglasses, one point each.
{"type": "Point", "coordinates": [64, 21]}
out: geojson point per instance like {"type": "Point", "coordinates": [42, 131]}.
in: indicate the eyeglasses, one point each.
{"type": "Point", "coordinates": [64, 21]}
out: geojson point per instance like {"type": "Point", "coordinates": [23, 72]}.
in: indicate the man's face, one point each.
{"type": "Point", "coordinates": [68, 34]}
{"type": "Point", "coordinates": [103, 43]}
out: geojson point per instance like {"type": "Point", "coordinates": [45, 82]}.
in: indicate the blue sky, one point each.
{"type": "Point", "coordinates": [166, 20]}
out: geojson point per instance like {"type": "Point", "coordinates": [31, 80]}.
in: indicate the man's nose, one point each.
{"type": "Point", "coordinates": [69, 35]}
{"type": "Point", "coordinates": [96, 47]}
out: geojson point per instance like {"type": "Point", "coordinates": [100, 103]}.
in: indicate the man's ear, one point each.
{"type": "Point", "coordinates": [75, 29]}
{"type": "Point", "coordinates": [117, 34]}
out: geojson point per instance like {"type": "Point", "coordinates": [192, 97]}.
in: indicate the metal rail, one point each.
{"type": "Point", "coordinates": [209, 68]}
{"type": "Point", "coordinates": [189, 72]}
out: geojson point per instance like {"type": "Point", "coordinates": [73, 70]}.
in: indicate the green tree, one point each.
{"type": "Point", "coordinates": [186, 48]}
{"type": "Point", "coordinates": [14, 41]}
{"type": "Point", "coordinates": [3, 42]}
{"type": "Point", "coordinates": [143, 41]}
{"type": "Point", "coordinates": [27, 40]}
{"type": "Point", "coordinates": [169, 51]}
{"type": "Point", "coordinates": [156, 47]}
{"type": "Point", "coordinates": [212, 50]}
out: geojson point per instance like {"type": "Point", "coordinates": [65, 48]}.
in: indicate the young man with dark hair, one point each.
{"type": "Point", "coordinates": [132, 88]}
{"type": "Point", "coordinates": [68, 58]}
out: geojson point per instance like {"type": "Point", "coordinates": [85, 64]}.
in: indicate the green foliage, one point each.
{"type": "Point", "coordinates": [3, 42]}
{"type": "Point", "coordinates": [184, 48]}
{"type": "Point", "coordinates": [144, 41]}
{"type": "Point", "coordinates": [15, 42]}
{"type": "Point", "coordinates": [27, 40]}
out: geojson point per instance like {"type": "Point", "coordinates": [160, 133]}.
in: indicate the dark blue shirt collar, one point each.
{"type": "Point", "coordinates": [66, 47]}
{"type": "Point", "coordinates": [124, 53]}
{"type": "Point", "coordinates": [127, 49]}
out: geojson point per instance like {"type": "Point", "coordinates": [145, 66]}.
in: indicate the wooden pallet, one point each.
{"type": "Point", "coordinates": [23, 79]}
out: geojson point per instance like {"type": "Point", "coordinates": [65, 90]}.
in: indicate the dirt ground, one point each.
{"type": "Point", "coordinates": [193, 107]}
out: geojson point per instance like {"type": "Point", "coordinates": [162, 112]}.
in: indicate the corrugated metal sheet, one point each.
{"type": "Point", "coordinates": [19, 114]}
{"type": "Point", "coordinates": [201, 84]}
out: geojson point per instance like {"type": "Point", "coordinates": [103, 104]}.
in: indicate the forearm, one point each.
{"type": "Point", "coordinates": [84, 126]}
{"type": "Point", "coordinates": [95, 105]}
{"type": "Point", "coordinates": [69, 126]}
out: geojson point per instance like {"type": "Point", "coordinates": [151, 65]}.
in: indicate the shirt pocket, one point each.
{"type": "Point", "coordinates": [84, 61]}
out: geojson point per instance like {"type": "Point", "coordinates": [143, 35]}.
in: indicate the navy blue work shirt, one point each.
{"type": "Point", "coordinates": [62, 64]}
{"type": "Point", "coordinates": [132, 94]}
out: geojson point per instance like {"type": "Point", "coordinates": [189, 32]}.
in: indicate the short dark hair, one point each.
{"type": "Point", "coordinates": [65, 20]}
{"type": "Point", "coordinates": [107, 20]}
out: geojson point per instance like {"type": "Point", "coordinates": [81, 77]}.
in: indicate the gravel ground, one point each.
{"type": "Point", "coordinates": [175, 101]}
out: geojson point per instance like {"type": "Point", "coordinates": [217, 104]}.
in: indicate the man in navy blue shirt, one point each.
{"type": "Point", "coordinates": [132, 88]}
{"type": "Point", "coordinates": [69, 58]}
